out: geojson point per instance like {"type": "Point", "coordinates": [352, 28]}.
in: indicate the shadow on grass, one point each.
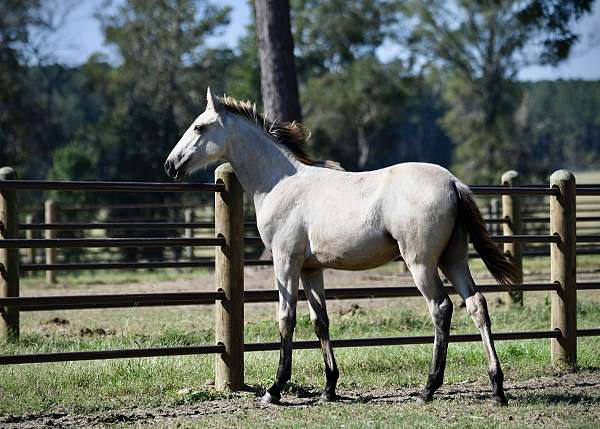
{"type": "Point", "coordinates": [560, 399]}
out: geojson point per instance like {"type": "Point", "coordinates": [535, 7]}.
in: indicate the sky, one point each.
{"type": "Point", "coordinates": [81, 37]}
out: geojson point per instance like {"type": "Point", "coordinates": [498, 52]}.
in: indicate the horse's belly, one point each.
{"type": "Point", "coordinates": [351, 253]}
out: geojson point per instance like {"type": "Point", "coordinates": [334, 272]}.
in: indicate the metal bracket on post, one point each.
{"type": "Point", "coordinates": [563, 269]}
{"type": "Point", "coordinates": [229, 277]}
{"type": "Point", "coordinates": [9, 258]}
{"type": "Point", "coordinates": [511, 212]}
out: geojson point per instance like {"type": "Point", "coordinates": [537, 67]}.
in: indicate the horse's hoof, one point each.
{"type": "Point", "coordinates": [270, 399]}
{"type": "Point", "coordinates": [328, 397]}
{"type": "Point", "coordinates": [499, 401]}
{"type": "Point", "coordinates": [423, 399]}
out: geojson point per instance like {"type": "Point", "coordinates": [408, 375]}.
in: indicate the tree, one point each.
{"type": "Point", "coordinates": [16, 111]}
{"type": "Point", "coordinates": [158, 88]}
{"type": "Point", "coordinates": [331, 34]}
{"type": "Point", "coordinates": [279, 84]}
{"type": "Point", "coordinates": [481, 46]}
{"type": "Point", "coordinates": [357, 104]}
{"type": "Point", "coordinates": [243, 75]}
{"type": "Point", "coordinates": [349, 95]}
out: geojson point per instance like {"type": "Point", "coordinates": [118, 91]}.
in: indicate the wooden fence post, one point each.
{"type": "Point", "coordinates": [495, 213]}
{"type": "Point", "coordinates": [188, 216]}
{"type": "Point", "coordinates": [511, 211]}
{"type": "Point", "coordinates": [50, 217]}
{"type": "Point", "coordinates": [563, 269]}
{"type": "Point", "coordinates": [9, 258]}
{"type": "Point", "coordinates": [29, 234]}
{"type": "Point", "coordinates": [229, 277]}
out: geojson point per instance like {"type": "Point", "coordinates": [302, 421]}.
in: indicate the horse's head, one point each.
{"type": "Point", "coordinates": [202, 143]}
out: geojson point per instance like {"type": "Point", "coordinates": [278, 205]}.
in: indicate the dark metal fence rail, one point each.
{"type": "Point", "coordinates": [529, 190]}
{"type": "Point", "coordinates": [75, 266]}
{"type": "Point", "coordinates": [67, 302]}
{"type": "Point", "coordinates": [534, 219]}
{"type": "Point", "coordinates": [72, 302]}
{"type": "Point", "coordinates": [82, 208]}
{"type": "Point", "coordinates": [122, 225]}
{"type": "Point", "coordinates": [49, 185]}
{"type": "Point", "coordinates": [40, 243]}
{"type": "Point", "coordinates": [110, 354]}
{"type": "Point", "coordinates": [583, 190]}
{"type": "Point", "coordinates": [406, 340]}
{"type": "Point", "coordinates": [268, 346]}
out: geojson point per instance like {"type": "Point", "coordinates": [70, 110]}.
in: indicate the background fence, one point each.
{"type": "Point", "coordinates": [229, 243]}
{"type": "Point", "coordinates": [504, 215]}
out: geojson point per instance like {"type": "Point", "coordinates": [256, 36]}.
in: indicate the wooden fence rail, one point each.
{"type": "Point", "coordinates": [229, 296]}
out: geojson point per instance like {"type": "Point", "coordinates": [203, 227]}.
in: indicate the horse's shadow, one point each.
{"type": "Point", "coordinates": [300, 396]}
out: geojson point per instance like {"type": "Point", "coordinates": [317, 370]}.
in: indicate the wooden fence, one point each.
{"type": "Point", "coordinates": [229, 296]}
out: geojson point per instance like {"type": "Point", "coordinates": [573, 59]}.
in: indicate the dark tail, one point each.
{"type": "Point", "coordinates": [503, 270]}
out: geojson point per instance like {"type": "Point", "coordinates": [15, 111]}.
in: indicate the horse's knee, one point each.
{"type": "Point", "coordinates": [477, 309]}
{"type": "Point", "coordinates": [287, 324]}
{"type": "Point", "coordinates": [446, 307]}
{"type": "Point", "coordinates": [442, 312]}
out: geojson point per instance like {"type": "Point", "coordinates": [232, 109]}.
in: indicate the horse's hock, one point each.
{"type": "Point", "coordinates": [229, 295]}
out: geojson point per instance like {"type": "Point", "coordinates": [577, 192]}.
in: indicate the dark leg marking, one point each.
{"type": "Point", "coordinates": [441, 313]}
{"type": "Point", "coordinates": [332, 374]}
{"type": "Point", "coordinates": [313, 286]}
{"type": "Point", "coordinates": [477, 308]}
{"type": "Point", "coordinates": [284, 371]}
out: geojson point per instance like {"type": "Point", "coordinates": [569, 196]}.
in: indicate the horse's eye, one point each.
{"type": "Point", "coordinates": [199, 128]}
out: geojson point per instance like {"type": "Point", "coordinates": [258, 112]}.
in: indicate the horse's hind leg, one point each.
{"type": "Point", "coordinates": [454, 263]}
{"type": "Point", "coordinates": [429, 284]}
{"type": "Point", "coordinates": [312, 280]}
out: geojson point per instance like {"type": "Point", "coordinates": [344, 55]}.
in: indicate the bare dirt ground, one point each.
{"type": "Point", "coordinates": [568, 389]}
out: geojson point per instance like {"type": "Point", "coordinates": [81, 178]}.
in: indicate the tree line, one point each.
{"type": "Point", "coordinates": [450, 96]}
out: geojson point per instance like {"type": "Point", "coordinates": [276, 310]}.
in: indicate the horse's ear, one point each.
{"type": "Point", "coordinates": [212, 103]}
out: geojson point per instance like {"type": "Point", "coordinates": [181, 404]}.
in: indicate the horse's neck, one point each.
{"type": "Point", "coordinates": [259, 163]}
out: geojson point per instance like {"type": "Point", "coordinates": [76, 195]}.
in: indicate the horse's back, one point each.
{"type": "Point", "coordinates": [362, 220]}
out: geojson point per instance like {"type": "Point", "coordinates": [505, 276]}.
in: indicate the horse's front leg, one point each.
{"type": "Point", "coordinates": [312, 281]}
{"type": "Point", "coordinates": [287, 274]}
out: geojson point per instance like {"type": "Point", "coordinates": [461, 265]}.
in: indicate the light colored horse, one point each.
{"type": "Point", "coordinates": [312, 216]}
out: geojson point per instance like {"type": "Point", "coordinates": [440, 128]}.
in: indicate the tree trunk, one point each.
{"type": "Point", "coordinates": [279, 86]}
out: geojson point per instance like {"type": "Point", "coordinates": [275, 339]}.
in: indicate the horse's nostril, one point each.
{"type": "Point", "coordinates": [169, 168]}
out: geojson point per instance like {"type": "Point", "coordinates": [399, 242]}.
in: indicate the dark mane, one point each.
{"type": "Point", "coordinates": [291, 135]}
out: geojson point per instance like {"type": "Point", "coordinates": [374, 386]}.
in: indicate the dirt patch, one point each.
{"type": "Point", "coordinates": [57, 321]}
{"type": "Point", "coordinates": [88, 332]}
{"type": "Point", "coordinates": [581, 389]}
